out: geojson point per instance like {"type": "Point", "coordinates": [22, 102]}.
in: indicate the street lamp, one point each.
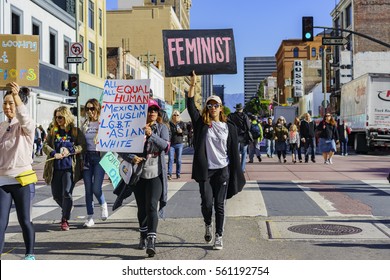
{"type": "Point", "coordinates": [148, 57]}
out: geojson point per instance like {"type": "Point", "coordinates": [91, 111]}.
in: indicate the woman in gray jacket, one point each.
{"type": "Point", "coordinates": [152, 187]}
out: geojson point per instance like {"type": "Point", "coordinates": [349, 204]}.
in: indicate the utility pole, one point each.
{"type": "Point", "coordinates": [324, 78]}
{"type": "Point", "coordinates": [76, 20]}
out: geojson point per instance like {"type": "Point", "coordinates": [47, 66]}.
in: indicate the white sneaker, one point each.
{"type": "Point", "coordinates": [218, 244]}
{"type": "Point", "coordinates": [104, 209]}
{"type": "Point", "coordinates": [330, 161]}
{"type": "Point", "coordinates": [89, 222]}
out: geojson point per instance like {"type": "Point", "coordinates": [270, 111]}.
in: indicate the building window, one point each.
{"type": "Point", "coordinates": [321, 51]}
{"type": "Point", "coordinates": [16, 23]}
{"type": "Point", "coordinates": [296, 52]}
{"type": "Point", "coordinates": [91, 15]}
{"type": "Point", "coordinates": [348, 16]}
{"type": "Point", "coordinates": [81, 10]}
{"type": "Point", "coordinates": [100, 22]}
{"type": "Point", "coordinates": [82, 43]}
{"type": "Point", "coordinates": [91, 58]}
{"type": "Point", "coordinates": [66, 53]}
{"type": "Point", "coordinates": [36, 30]}
{"type": "Point", "coordinates": [313, 52]}
{"type": "Point", "coordinates": [53, 48]}
{"type": "Point", "coordinates": [101, 62]}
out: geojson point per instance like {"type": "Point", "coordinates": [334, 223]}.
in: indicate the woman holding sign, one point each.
{"type": "Point", "coordinates": [16, 148]}
{"type": "Point", "coordinates": [152, 187]}
{"type": "Point", "coordinates": [216, 165]}
{"type": "Point", "coordinates": [93, 173]}
{"type": "Point", "coordinates": [63, 167]}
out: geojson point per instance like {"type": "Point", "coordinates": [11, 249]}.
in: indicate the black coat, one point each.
{"type": "Point", "coordinates": [200, 163]}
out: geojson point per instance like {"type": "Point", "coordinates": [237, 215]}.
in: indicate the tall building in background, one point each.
{"type": "Point", "coordinates": [256, 69]}
{"type": "Point", "coordinates": [207, 87]}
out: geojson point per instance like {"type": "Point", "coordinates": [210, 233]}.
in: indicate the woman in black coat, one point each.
{"type": "Point", "coordinates": [216, 164]}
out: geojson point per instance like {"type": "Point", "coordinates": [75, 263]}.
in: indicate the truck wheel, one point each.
{"type": "Point", "coordinates": [360, 143]}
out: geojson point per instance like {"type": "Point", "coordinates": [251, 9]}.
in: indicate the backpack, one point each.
{"type": "Point", "coordinates": [255, 130]}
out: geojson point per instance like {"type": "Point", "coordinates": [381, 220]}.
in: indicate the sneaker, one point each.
{"type": "Point", "coordinates": [284, 160]}
{"type": "Point", "coordinates": [208, 237]}
{"type": "Point", "coordinates": [259, 158]}
{"type": "Point", "coordinates": [300, 161]}
{"type": "Point", "coordinates": [64, 225]}
{"type": "Point", "coordinates": [29, 257]}
{"type": "Point", "coordinates": [251, 161]}
{"type": "Point", "coordinates": [313, 160]}
{"type": "Point", "coordinates": [330, 161]}
{"type": "Point", "coordinates": [89, 222]}
{"type": "Point", "coordinates": [104, 209]}
{"type": "Point", "coordinates": [218, 244]}
{"type": "Point", "coordinates": [346, 154]}
{"type": "Point", "coordinates": [178, 176]}
{"type": "Point", "coordinates": [326, 162]}
{"type": "Point", "coordinates": [169, 177]}
{"type": "Point", "coordinates": [280, 161]}
{"type": "Point", "coordinates": [268, 156]}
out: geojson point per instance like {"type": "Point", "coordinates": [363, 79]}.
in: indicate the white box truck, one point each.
{"type": "Point", "coordinates": [365, 107]}
{"type": "Point", "coordinates": [288, 112]}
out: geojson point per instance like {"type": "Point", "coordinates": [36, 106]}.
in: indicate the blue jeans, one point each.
{"type": "Point", "coordinates": [270, 145]}
{"type": "Point", "coordinates": [178, 149]}
{"type": "Point", "coordinates": [344, 146]}
{"type": "Point", "coordinates": [93, 181]}
{"type": "Point", "coordinates": [243, 148]}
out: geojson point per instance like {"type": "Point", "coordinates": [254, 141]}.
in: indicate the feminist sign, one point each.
{"type": "Point", "coordinates": [123, 116]}
{"type": "Point", "coordinates": [19, 60]}
{"type": "Point", "coordinates": [205, 51]}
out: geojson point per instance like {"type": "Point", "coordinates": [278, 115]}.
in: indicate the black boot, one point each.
{"type": "Point", "coordinates": [150, 247]}
{"type": "Point", "coordinates": [259, 158]}
{"type": "Point", "coordinates": [142, 242]}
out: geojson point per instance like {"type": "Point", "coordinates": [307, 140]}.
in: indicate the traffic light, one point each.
{"type": "Point", "coordinates": [73, 84]}
{"type": "Point", "coordinates": [307, 29]}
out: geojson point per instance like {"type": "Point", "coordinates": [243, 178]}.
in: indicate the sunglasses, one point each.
{"type": "Point", "coordinates": [215, 106]}
{"type": "Point", "coordinates": [175, 115]}
{"type": "Point", "coordinates": [150, 110]}
{"type": "Point", "coordinates": [89, 108]}
{"type": "Point", "coordinates": [59, 117]}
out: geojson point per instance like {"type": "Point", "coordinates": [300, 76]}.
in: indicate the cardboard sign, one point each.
{"type": "Point", "coordinates": [205, 51]}
{"type": "Point", "coordinates": [19, 60]}
{"type": "Point", "coordinates": [123, 116]}
{"type": "Point", "coordinates": [110, 164]}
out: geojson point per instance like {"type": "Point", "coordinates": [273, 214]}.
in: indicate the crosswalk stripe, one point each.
{"type": "Point", "coordinates": [129, 210]}
{"type": "Point", "coordinates": [322, 202]}
{"type": "Point", "coordinates": [249, 202]}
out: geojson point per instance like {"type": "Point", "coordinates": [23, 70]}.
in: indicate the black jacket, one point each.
{"type": "Point", "coordinates": [327, 131]}
{"type": "Point", "coordinates": [200, 163]}
{"type": "Point", "coordinates": [307, 129]}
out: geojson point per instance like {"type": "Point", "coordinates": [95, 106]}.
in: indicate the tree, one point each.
{"type": "Point", "coordinates": [255, 104]}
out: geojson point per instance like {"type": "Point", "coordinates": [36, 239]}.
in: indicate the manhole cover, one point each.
{"type": "Point", "coordinates": [325, 229]}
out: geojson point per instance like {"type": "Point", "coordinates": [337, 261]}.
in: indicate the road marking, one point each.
{"type": "Point", "coordinates": [249, 202]}
{"type": "Point", "coordinates": [323, 203]}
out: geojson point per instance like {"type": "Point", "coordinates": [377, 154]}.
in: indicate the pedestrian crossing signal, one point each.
{"type": "Point", "coordinates": [73, 84]}
{"type": "Point", "coordinates": [307, 29]}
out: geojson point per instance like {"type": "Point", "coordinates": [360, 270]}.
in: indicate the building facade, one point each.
{"type": "Point", "coordinates": [256, 69]}
{"type": "Point", "coordinates": [56, 30]}
{"type": "Point", "coordinates": [147, 20]}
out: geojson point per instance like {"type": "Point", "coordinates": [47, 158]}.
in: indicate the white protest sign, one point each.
{"type": "Point", "coordinates": [123, 116]}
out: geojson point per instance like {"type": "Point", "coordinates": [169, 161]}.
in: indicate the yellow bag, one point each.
{"type": "Point", "coordinates": [27, 177]}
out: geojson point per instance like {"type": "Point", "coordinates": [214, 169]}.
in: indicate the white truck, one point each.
{"type": "Point", "coordinates": [288, 112]}
{"type": "Point", "coordinates": [365, 107]}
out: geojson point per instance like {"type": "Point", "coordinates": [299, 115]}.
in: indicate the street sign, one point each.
{"type": "Point", "coordinates": [334, 41]}
{"type": "Point", "coordinates": [71, 59]}
{"type": "Point", "coordinates": [76, 49]}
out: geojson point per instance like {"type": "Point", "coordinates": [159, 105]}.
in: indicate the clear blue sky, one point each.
{"type": "Point", "coordinates": [259, 26]}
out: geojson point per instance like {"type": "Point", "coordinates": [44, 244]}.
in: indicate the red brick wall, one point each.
{"type": "Point", "coordinates": [372, 18]}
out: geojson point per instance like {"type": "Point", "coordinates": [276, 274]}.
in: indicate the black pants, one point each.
{"type": "Point", "coordinates": [147, 194]}
{"type": "Point", "coordinates": [62, 188]}
{"type": "Point", "coordinates": [214, 190]}
{"type": "Point", "coordinates": [21, 197]}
